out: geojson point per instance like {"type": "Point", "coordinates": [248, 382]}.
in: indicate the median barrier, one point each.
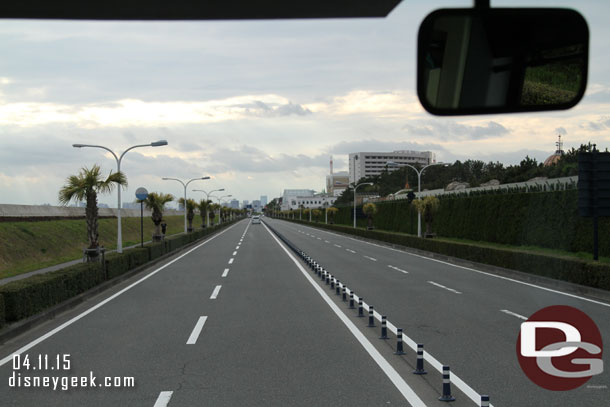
{"type": "Point", "coordinates": [2, 319]}
{"type": "Point", "coordinates": [444, 370]}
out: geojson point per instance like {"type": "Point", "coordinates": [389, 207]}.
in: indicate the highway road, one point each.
{"type": "Point", "coordinates": [239, 320]}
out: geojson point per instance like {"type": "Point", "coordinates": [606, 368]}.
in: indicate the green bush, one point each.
{"type": "Point", "coordinates": [116, 264]}
{"type": "Point", "coordinates": [156, 250]}
{"type": "Point", "coordinates": [2, 317]}
{"type": "Point", "coordinates": [137, 257]}
{"type": "Point", "coordinates": [29, 296]}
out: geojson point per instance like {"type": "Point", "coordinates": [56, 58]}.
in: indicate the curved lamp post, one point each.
{"type": "Point", "coordinates": [419, 172]}
{"type": "Point", "coordinates": [119, 245]}
{"type": "Point", "coordinates": [184, 185]}
{"type": "Point", "coordinates": [356, 187]}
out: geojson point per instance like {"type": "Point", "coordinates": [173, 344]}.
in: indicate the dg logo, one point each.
{"type": "Point", "coordinates": [560, 348]}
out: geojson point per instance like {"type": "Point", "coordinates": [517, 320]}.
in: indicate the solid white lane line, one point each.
{"type": "Point", "coordinates": [112, 297]}
{"type": "Point", "coordinates": [396, 268]}
{"type": "Point", "coordinates": [475, 270]}
{"type": "Point", "coordinates": [234, 253]}
{"type": "Point", "coordinates": [163, 398]}
{"type": "Point", "coordinates": [215, 292]}
{"type": "Point", "coordinates": [225, 273]}
{"type": "Point", "coordinates": [336, 245]}
{"type": "Point", "coordinates": [514, 314]}
{"type": "Point", "coordinates": [231, 260]}
{"type": "Point", "coordinates": [446, 288]}
{"type": "Point", "coordinates": [196, 331]}
{"type": "Point", "coordinates": [370, 258]}
{"type": "Point", "coordinates": [407, 392]}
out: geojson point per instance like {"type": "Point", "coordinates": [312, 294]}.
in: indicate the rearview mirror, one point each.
{"type": "Point", "coordinates": [477, 61]}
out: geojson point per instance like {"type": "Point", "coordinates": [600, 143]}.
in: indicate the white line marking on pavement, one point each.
{"type": "Point", "coordinates": [407, 392]}
{"type": "Point", "coordinates": [163, 398]}
{"type": "Point", "coordinates": [475, 270]}
{"type": "Point", "coordinates": [514, 314]}
{"type": "Point", "coordinates": [336, 245]}
{"type": "Point", "coordinates": [234, 253]}
{"type": "Point", "coordinates": [446, 288]}
{"type": "Point", "coordinates": [237, 247]}
{"type": "Point", "coordinates": [370, 258]}
{"type": "Point", "coordinates": [326, 241]}
{"type": "Point", "coordinates": [396, 268]}
{"type": "Point", "coordinates": [231, 260]}
{"type": "Point", "coordinates": [215, 292]}
{"type": "Point", "coordinates": [112, 297]}
{"type": "Point", "coordinates": [196, 331]}
{"type": "Point", "coordinates": [351, 251]}
{"type": "Point", "coordinates": [224, 274]}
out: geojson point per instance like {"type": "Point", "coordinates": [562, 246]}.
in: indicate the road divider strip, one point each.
{"type": "Point", "coordinates": [215, 292]}
{"type": "Point", "coordinates": [456, 380]}
{"type": "Point", "coordinates": [196, 331]}
{"type": "Point", "coordinates": [446, 288]}
{"type": "Point", "coordinates": [163, 399]}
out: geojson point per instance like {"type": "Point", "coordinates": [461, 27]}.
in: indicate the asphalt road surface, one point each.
{"type": "Point", "coordinates": [239, 320]}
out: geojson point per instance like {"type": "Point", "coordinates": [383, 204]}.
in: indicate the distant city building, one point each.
{"type": "Point", "coordinates": [245, 203]}
{"type": "Point", "coordinates": [130, 205]}
{"type": "Point", "coordinates": [290, 195]}
{"type": "Point", "coordinates": [368, 164]}
{"type": "Point", "coordinates": [308, 201]}
{"type": "Point", "coordinates": [264, 200]}
{"type": "Point", "coordinates": [234, 204]}
{"type": "Point", "coordinates": [256, 206]}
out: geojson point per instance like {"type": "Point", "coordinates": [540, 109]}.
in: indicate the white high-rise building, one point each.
{"type": "Point", "coordinates": [367, 164]}
{"type": "Point", "coordinates": [264, 200]}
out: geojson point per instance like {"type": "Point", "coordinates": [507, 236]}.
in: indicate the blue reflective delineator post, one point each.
{"type": "Point", "coordinates": [446, 385]}
{"type": "Point", "coordinates": [344, 294]}
{"type": "Point", "coordinates": [399, 348]}
{"type": "Point", "coordinates": [484, 400]}
{"type": "Point", "coordinates": [384, 328]}
{"type": "Point", "coordinates": [360, 308]}
{"type": "Point", "coordinates": [419, 369]}
{"type": "Point", "coordinates": [371, 316]}
{"type": "Point", "coordinates": [351, 300]}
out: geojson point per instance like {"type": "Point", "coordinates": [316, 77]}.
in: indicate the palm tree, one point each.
{"type": "Point", "coordinates": [190, 206]}
{"type": "Point", "coordinates": [369, 210]}
{"type": "Point", "coordinates": [427, 207]}
{"type": "Point", "coordinates": [85, 186]}
{"type": "Point", "coordinates": [204, 208]}
{"type": "Point", "coordinates": [212, 214]}
{"type": "Point", "coordinates": [156, 201]}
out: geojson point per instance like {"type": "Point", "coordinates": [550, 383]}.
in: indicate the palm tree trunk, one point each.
{"type": "Point", "coordinates": [91, 217]}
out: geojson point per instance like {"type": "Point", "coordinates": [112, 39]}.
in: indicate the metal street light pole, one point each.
{"type": "Point", "coordinates": [184, 185]}
{"type": "Point", "coordinates": [207, 197]}
{"type": "Point", "coordinates": [219, 207]}
{"type": "Point", "coordinates": [119, 245]}
{"type": "Point", "coordinates": [356, 187]}
{"type": "Point", "coordinates": [419, 173]}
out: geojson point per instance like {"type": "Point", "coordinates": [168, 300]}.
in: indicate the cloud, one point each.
{"type": "Point", "coordinates": [346, 147]}
{"type": "Point", "coordinates": [561, 130]}
{"type": "Point", "coordinates": [450, 130]}
{"type": "Point", "coordinates": [596, 125]}
{"type": "Point", "coordinates": [262, 109]}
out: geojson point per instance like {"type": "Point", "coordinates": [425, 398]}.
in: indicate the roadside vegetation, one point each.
{"type": "Point", "coordinates": [27, 246]}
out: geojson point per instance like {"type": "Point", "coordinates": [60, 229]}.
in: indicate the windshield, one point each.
{"type": "Point", "coordinates": [317, 125]}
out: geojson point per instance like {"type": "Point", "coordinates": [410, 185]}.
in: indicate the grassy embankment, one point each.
{"type": "Point", "coordinates": [27, 246]}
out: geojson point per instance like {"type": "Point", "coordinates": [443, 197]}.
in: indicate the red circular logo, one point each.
{"type": "Point", "coordinates": [560, 348]}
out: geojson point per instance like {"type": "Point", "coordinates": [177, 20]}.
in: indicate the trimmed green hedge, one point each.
{"type": "Point", "coordinates": [2, 316]}
{"type": "Point", "coordinates": [23, 298]}
{"type": "Point", "coordinates": [576, 271]}
{"type": "Point", "coordinates": [26, 297]}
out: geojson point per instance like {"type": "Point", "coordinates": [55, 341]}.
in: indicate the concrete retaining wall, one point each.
{"type": "Point", "coordinates": [21, 211]}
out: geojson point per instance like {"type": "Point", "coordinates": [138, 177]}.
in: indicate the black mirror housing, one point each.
{"type": "Point", "coordinates": [486, 60]}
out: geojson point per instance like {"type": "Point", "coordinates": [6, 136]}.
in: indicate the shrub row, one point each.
{"type": "Point", "coordinates": [546, 219]}
{"type": "Point", "coordinates": [588, 273]}
{"type": "Point", "coordinates": [23, 298]}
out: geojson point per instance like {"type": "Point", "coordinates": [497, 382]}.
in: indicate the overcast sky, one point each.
{"type": "Point", "coordinates": [259, 106]}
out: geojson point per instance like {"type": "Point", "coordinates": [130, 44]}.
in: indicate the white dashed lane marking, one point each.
{"type": "Point", "coordinates": [446, 288]}
{"type": "Point", "coordinates": [514, 314]}
{"type": "Point", "coordinates": [225, 273]}
{"type": "Point", "coordinates": [196, 331]}
{"type": "Point", "coordinates": [396, 268]}
{"type": "Point", "coordinates": [370, 258]}
{"type": "Point", "coordinates": [215, 292]}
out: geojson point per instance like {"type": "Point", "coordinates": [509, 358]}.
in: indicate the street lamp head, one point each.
{"type": "Point", "coordinates": [221, 189]}
{"type": "Point", "coordinates": [78, 145]}
{"type": "Point", "coordinates": [159, 143]}
{"type": "Point", "coordinates": [165, 179]}
{"type": "Point", "coordinates": [205, 177]}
